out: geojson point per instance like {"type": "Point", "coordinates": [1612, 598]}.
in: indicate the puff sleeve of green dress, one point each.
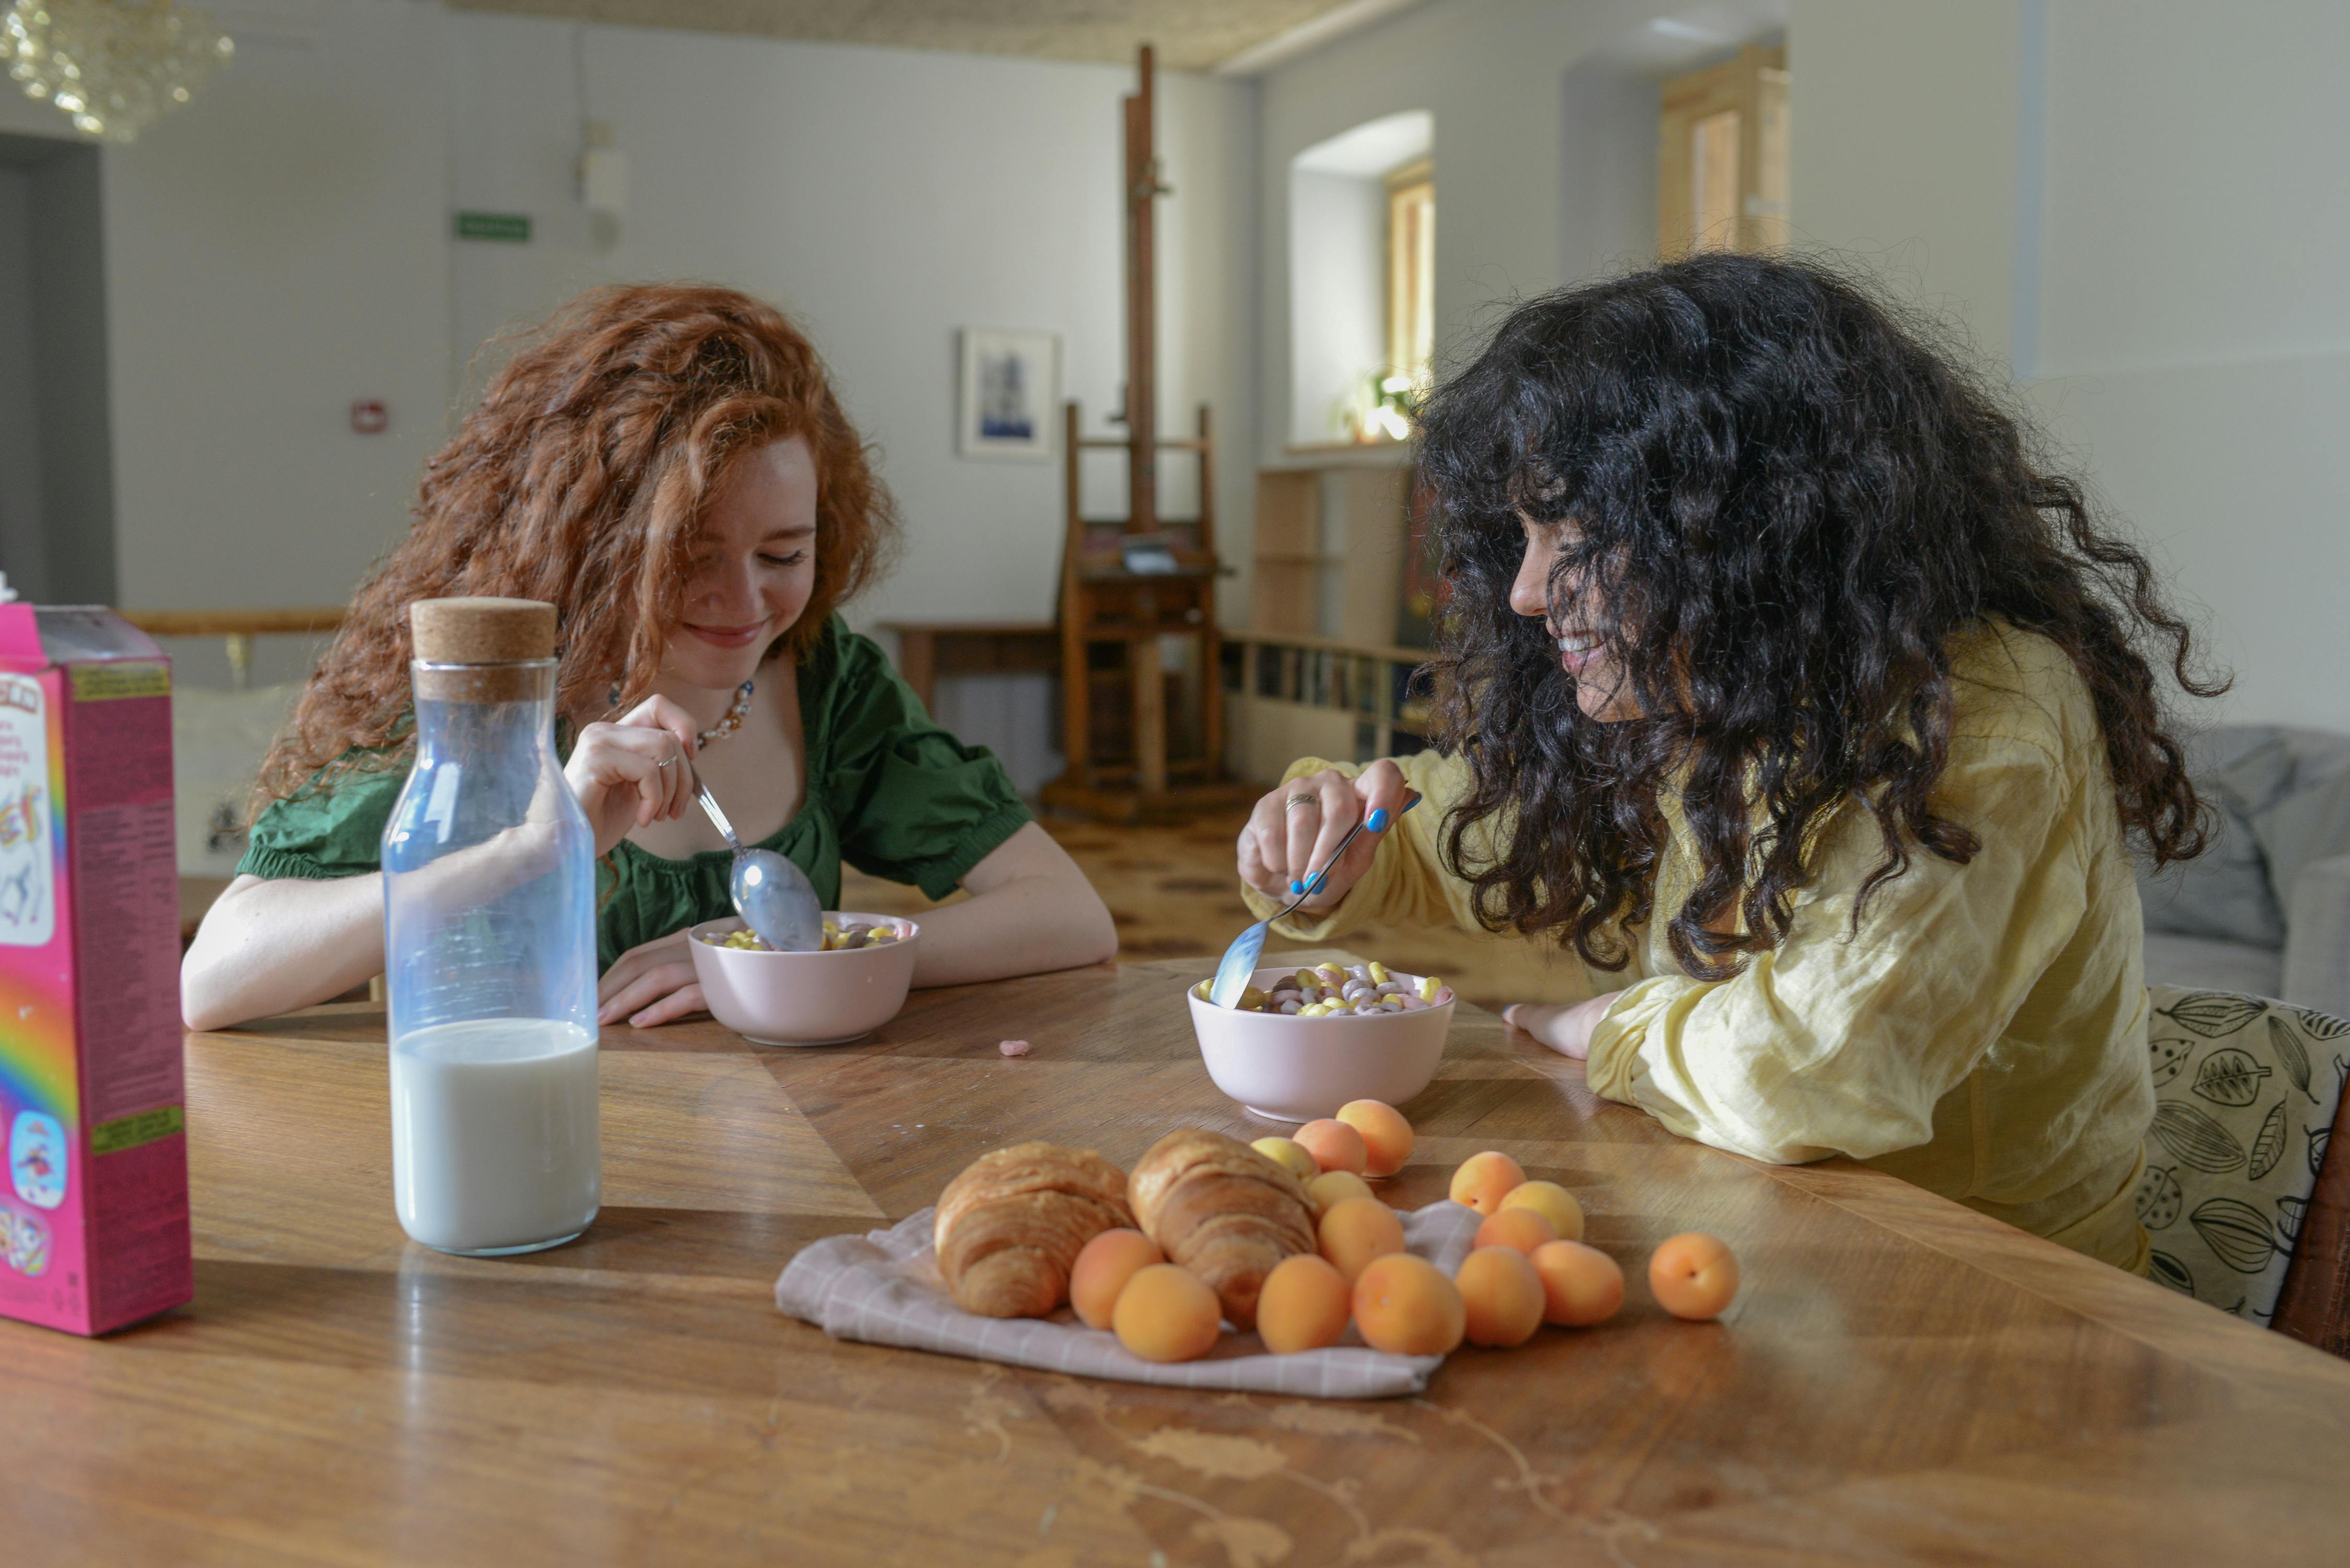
{"type": "Point", "coordinates": [889, 792]}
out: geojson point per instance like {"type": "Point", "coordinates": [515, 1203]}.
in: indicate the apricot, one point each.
{"type": "Point", "coordinates": [1553, 1203]}
{"type": "Point", "coordinates": [1102, 1269]}
{"type": "Point", "coordinates": [1167, 1314]}
{"type": "Point", "coordinates": [1332, 1188]}
{"type": "Point", "coordinates": [1484, 1179]}
{"type": "Point", "coordinates": [1522, 1230]}
{"type": "Point", "coordinates": [1404, 1305]}
{"type": "Point", "coordinates": [1501, 1296]}
{"type": "Point", "coordinates": [1693, 1276]}
{"type": "Point", "coordinates": [1335, 1144]}
{"type": "Point", "coordinates": [1357, 1230]}
{"type": "Point", "coordinates": [1302, 1307]}
{"type": "Point", "coordinates": [1387, 1136]}
{"type": "Point", "coordinates": [1581, 1285]}
{"type": "Point", "coordinates": [1291, 1155]}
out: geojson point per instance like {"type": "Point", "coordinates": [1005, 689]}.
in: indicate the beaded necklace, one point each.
{"type": "Point", "coordinates": [734, 720]}
{"type": "Point", "coordinates": [725, 726]}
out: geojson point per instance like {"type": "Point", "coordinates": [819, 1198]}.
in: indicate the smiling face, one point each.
{"type": "Point", "coordinates": [1601, 688]}
{"type": "Point", "coordinates": [754, 568]}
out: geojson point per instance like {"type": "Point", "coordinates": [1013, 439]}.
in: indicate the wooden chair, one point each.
{"type": "Point", "coordinates": [2246, 1194]}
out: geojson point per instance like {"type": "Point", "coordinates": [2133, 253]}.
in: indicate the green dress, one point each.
{"type": "Point", "coordinates": [888, 791]}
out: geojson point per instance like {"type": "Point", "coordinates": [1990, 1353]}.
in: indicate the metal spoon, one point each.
{"type": "Point", "coordinates": [1239, 965]}
{"type": "Point", "coordinates": [774, 897]}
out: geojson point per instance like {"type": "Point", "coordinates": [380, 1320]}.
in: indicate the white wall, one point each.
{"type": "Point", "coordinates": [2194, 337]}
{"type": "Point", "coordinates": [275, 251]}
{"type": "Point", "coordinates": [1337, 261]}
{"type": "Point", "coordinates": [888, 199]}
{"type": "Point", "coordinates": [1904, 151]}
{"type": "Point", "coordinates": [1607, 174]}
{"type": "Point", "coordinates": [282, 247]}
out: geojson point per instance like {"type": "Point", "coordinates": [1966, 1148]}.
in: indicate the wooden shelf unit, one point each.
{"type": "Point", "coordinates": [1299, 695]}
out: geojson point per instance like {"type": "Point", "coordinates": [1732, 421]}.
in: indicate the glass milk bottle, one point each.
{"type": "Point", "coordinates": [489, 879]}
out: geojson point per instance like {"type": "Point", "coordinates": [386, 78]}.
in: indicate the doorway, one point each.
{"type": "Point", "coordinates": [56, 447]}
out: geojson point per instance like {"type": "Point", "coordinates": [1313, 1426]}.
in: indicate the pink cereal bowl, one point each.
{"type": "Point", "coordinates": [804, 999]}
{"type": "Point", "coordinates": [1288, 1069]}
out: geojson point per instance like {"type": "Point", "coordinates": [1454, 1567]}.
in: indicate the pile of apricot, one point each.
{"type": "Point", "coordinates": [1528, 1266]}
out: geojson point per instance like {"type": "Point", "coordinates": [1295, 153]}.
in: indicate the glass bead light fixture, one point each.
{"type": "Point", "coordinates": [113, 67]}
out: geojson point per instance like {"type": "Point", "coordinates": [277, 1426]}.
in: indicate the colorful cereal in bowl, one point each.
{"type": "Point", "coordinates": [825, 997]}
{"type": "Point", "coordinates": [1306, 1041]}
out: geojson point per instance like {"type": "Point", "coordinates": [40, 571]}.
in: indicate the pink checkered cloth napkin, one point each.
{"type": "Point", "coordinates": [884, 1288]}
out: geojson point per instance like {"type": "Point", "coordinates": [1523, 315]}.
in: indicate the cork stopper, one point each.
{"type": "Point", "coordinates": [481, 630]}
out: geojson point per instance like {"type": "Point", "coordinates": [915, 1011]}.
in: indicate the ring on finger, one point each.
{"type": "Point", "coordinates": [1297, 800]}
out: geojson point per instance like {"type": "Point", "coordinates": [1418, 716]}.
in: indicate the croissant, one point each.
{"type": "Point", "coordinates": [1222, 1210]}
{"type": "Point", "coordinates": [1010, 1227]}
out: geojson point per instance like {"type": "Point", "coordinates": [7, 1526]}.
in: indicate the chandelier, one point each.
{"type": "Point", "coordinates": [112, 66]}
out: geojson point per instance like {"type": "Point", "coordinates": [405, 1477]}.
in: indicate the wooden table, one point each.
{"type": "Point", "coordinates": [927, 649]}
{"type": "Point", "coordinates": [1901, 1382]}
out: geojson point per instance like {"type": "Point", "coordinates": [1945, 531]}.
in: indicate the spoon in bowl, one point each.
{"type": "Point", "coordinates": [774, 897]}
{"type": "Point", "coordinates": [1232, 975]}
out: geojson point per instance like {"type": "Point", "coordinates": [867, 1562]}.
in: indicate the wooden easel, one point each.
{"type": "Point", "coordinates": [1115, 726]}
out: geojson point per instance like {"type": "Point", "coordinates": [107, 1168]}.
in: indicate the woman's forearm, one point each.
{"type": "Point", "coordinates": [270, 946]}
{"type": "Point", "coordinates": [1031, 909]}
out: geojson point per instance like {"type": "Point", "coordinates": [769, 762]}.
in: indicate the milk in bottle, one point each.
{"type": "Point", "coordinates": [490, 945]}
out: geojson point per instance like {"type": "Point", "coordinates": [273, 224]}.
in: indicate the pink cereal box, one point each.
{"type": "Point", "coordinates": [94, 1194]}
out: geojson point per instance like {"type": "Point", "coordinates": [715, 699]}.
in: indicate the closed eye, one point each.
{"type": "Point", "coordinates": [794, 559]}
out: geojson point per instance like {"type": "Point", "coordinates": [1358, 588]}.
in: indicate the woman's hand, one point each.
{"type": "Point", "coordinates": [1292, 832]}
{"type": "Point", "coordinates": [651, 984]}
{"type": "Point", "coordinates": [1564, 1028]}
{"type": "Point", "coordinates": [632, 773]}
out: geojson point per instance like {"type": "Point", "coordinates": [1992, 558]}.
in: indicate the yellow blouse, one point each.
{"type": "Point", "coordinates": [1983, 1034]}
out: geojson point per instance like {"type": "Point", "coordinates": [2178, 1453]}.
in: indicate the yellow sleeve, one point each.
{"type": "Point", "coordinates": [1841, 1042]}
{"type": "Point", "coordinates": [1406, 884]}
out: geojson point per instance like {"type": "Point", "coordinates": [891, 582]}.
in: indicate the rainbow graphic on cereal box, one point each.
{"type": "Point", "coordinates": [93, 1156]}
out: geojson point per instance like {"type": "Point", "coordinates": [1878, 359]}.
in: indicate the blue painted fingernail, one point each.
{"type": "Point", "coordinates": [1297, 887]}
{"type": "Point", "coordinates": [1378, 822]}
{"type": "Point", "coordinates": [1319, 880]}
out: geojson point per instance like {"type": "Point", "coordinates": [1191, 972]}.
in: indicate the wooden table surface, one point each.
{"type": "Point", "coordinates": [1901, 1381]}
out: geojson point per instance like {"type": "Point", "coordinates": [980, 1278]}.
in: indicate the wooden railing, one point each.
{"type": "Point", "coordinates": [236, 628]}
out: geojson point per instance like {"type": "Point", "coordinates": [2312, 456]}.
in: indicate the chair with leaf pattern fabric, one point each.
{"type": "Point", "coordinates": [2246, 1210]}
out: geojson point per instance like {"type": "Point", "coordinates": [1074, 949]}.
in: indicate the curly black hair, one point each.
{"type": "Point", "coordinates": [1787, 500]}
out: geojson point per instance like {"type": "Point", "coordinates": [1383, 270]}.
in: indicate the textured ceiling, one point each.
{"type": "Point", "coordinates": [1189, 34]}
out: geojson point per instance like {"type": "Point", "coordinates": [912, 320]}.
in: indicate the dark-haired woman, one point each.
{"type": "Point", "coordinates": [1782, 685]}
{"type": "Point", "coordinates": [667, 466]}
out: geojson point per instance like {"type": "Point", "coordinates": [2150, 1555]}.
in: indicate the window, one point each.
{"type": "Point", "coordinates": [1721, 157]}
{"type": "Point", "coordinates": [1412, 274]}
{"type": "Point", "coordinates": [1362, 244]}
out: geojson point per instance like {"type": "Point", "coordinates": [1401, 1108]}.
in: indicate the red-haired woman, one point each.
{"type": "Point", "coordinates": [667, 466]}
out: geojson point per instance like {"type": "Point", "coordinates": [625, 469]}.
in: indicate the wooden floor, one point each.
{"type": "Point", "coordinates": [1175, 893]}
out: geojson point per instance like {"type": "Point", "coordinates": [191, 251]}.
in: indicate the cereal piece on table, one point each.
{"type": "Point", "coordinates": [1014, 1047]}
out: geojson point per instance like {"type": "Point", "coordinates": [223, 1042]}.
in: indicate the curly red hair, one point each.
{"type": "Point", "coordinates": [582, 480]}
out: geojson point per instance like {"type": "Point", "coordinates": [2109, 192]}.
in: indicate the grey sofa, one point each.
{"type": "Point", "coordinates": [2266, 910]}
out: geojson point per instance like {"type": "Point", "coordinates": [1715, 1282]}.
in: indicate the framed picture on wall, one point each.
{"type": "Point", "coordinates": [1011, 392]}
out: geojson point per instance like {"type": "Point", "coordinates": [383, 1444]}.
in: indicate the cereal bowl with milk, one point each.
{"type": "Point", "coordinates": [845, 990]}
{"type": "Point", "coordinates": [1303, 1042]}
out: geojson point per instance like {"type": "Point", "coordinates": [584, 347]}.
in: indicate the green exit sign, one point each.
{"type": "Point", "coordinates": [513, 228]}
